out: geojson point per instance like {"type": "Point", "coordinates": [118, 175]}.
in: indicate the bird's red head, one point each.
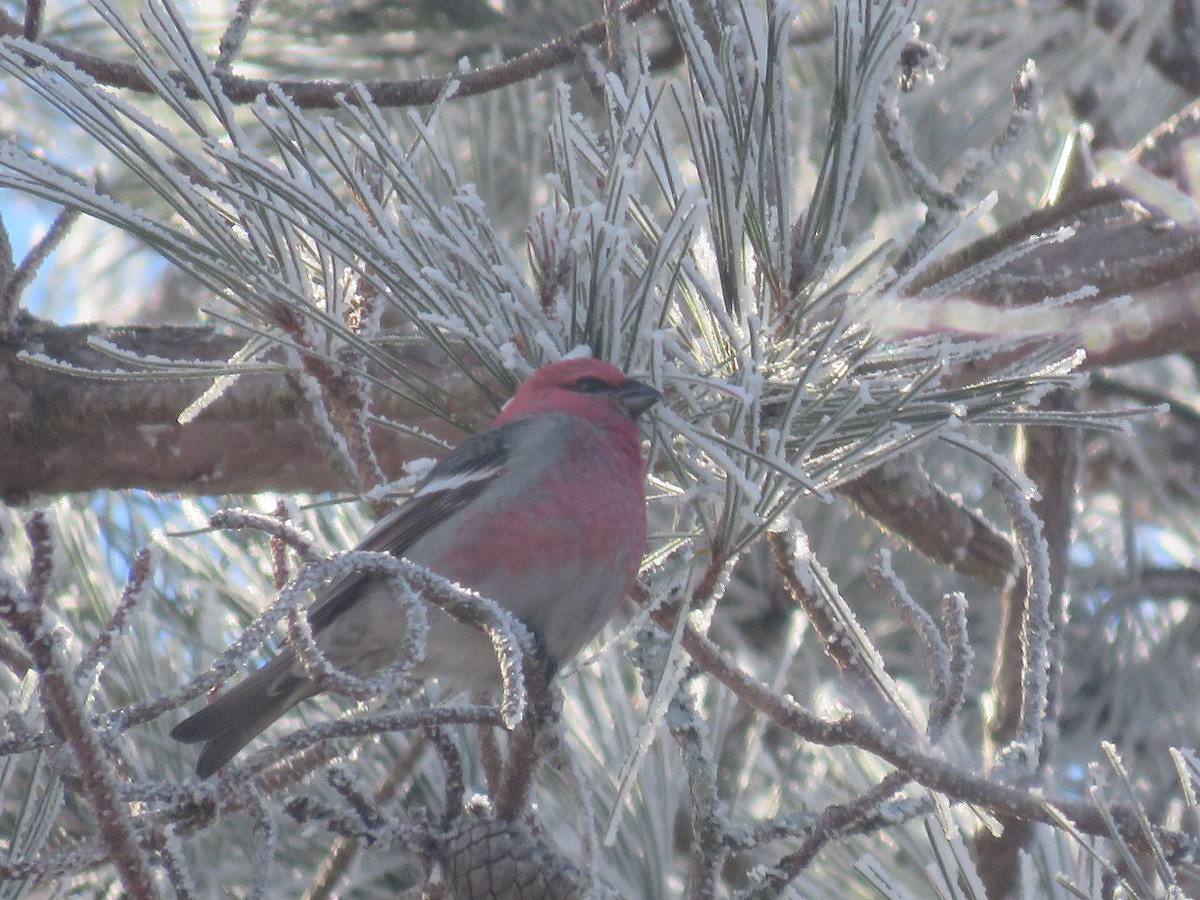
{"type": "Point", "coordinates": [582, 386]}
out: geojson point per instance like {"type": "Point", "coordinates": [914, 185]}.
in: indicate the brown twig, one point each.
{"type": "Point", "coordinates": [902, 498]}
{"type": "Point", "coordinates": [35, 14]}
{"type": "Point", "coordinates": [710, 847]}
{"type": "Point", "coordinates": [281, 572]}
{"type": "Point", "coordinates": [924, 767]}
{"type": "Point", "coordinates": [26, 616]}
{"type": "Point", "coordinates": [326, 94]}
{"type": "Point", "coordinates": [102, 646]}
{"type": "Point", "coordinates": [525, 750]}
{"type": "Point", "coordinates": [14, 286]}
{"type": "Point", "coordinates": [841, 639]}
{"type": "Point", "coordinates": [1050, 457]}
{"type": "Point", "coordinates": [491, 760]}
{"type": "Point", "coordinates": [344, 850]}
{"type": "Point", "coordinates": [16, 659]}
{"type": "Point", "coordinates": [835, 821]}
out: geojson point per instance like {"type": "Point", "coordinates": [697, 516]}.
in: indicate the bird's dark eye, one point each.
{"type": "Point", "coordinates": [591, 385]}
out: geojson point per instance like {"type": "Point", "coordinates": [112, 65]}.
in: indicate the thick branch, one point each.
{"type": "Point", "coordinates": [1115, 244]}
{"type": "Point", "coordinates": [62, 433]}
{"type": "Point", "coordinates": [903, 499]}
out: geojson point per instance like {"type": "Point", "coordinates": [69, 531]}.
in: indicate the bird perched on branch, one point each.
{"type": "Point", "coordinates": [544, 512]}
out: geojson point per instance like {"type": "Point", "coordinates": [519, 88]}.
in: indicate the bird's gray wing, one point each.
{"type": "Point", "coordinates": [450, 485]}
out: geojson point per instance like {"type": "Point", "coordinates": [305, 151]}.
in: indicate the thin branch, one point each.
{"type": "Point", "coordinates": [325, 93]}
{"type": "Point", "coordinates": [938, 657]}
{"type": "Point", "coordinates": [710, 824]}
{"type": "Point", "coordinates": [12, 288]}
{"type": "Point", "coordinates": [835, 821]}
{"type": "Point", "coordinates": [344, 851]}
{"type": "Point", "coordinates": [102, 647]}
{"type": "Point", "coordinates": [235, 34]}
{"type": "Point", "coordinates": [530, 738]}
{"type": "Point", "coordinates": [26, 616]}
{"type": "Point", "coordinates": [1032, 625]}
{"type": "Point", "coordinates": [266, 834]}
{"type": "Point", "coordinates": [932, 771]}
{"type": "Point", "coordinates": [844, 641]}
{"type": "Point", "coordinates": [945, 204]}
{"type": "Point", "coordinates": [962, 655]}
{"type": "Point", "coordinates": [16, 659]}
{"type": "Point", "coordinates": [35, 15]}
{"type": "Point", "coordinates": [1031, 602]}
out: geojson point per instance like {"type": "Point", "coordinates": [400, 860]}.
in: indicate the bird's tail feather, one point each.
{"type": "Point", "coordinates": [235, 718]}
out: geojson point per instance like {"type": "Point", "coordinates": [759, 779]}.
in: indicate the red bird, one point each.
{"type": "Point", "coordinates": [544, 512]}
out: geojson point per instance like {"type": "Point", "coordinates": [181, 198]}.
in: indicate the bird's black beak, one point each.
{"type": "Point", "coordinates": [635, 398]}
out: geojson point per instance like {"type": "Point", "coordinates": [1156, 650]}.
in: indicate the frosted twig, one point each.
{"type": "Point", "coordinates": [939, 218]}
{"type": "Point", "coordinates": [1025, 105]}
{"type": "Point", "coordinates": [843, 639]}
{"type": "Point", "coordinates": [490, 758]}
{"type": "Point", "coordinates": [310, 811]}
{"type": "Point", "coordinates": [314, 391]}
{"type": "Point", "coordinates": [275, 526]}
{"type": "Point", "coordinates": [354, 793]}
{"type": "Point", "coordinates": [1021, 754]}
{"type": "Point", "coordinates": [79, 857]}
{"type": "Point", "coordinates": [898, 141]}
{"type": "Point", "coordinates": [343, 852]}
{"type": "Point", "coordinates": [35, 13]}
{"type": "Point", "coordinates": [318, 667]}
{"type": "Point", "coordinates": [16, 659]}
{"type": "Point", "coordinates": [452, 771]}
{"type": "Point", "coordinates": [15, 285]}
{"type": "Point", "coordinates": [510, 639]}
{"type": "Point", "coordinates": [97, 655]}
{"type": "Point", "coordinates": [954, 625]}
{"type": "Point", "coordinates": [937, 655]}
{"type": "Point", "coordinates": [266, 835]}
{"type": "Point", "coordinates": [240, 771]}
{"type": "Point", "coordinates": [280, 570]}
{"type": "Point", "coordinates": [530, 739]}
{"type": "Point", "coordinates": [174, 863]}
{"type": "Point", "coordinates": [777, 828]}
{"type": "Point", "coordinates": [506, 633]}
{"type": "Point", "coordinates": [66, 712]}
{"type": "Point", "coordinates": [930, 770]}
{"type": "Point", "coordinates": [235, 35]}
{"type": "Point", "coordinates": [342, 401]}
{"type": "Point", "coordinates": [326, 93]}
{"type": "Point", "coordinates": [710, 820]}
{"type": "Point", "coordinates": [834, 822]}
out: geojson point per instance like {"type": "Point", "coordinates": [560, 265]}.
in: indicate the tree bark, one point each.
{"type": "Point", "coordinates": [62, 433]}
